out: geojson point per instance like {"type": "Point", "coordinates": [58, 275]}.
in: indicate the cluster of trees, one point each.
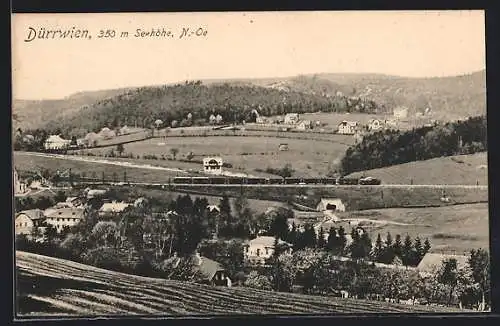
{"type": "Point", "coordinates": [390, 147]}
{"type": "Point", "coordinates": [193, 103]}
{"type": "Point", "coordinates": [322, 273]}
{"type": "Point", "coordinates": [408, 252]}
{"type": "Point", "coordinates": [42, 202]}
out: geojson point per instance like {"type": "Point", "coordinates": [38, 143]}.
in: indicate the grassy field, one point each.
{"type": "Point", "coordinates": [460, 169]}
{"type": "Point", "coordinates": [26, 162]}
{"type": "Point", "coordinates": [247, 153]}
{"type": "Point", "coordinates": [53, 287]}
{"type": "Point", "coordinates": [453, 229]}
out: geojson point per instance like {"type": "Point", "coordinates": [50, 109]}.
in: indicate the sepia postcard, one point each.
{"type": "Point", "coordinates": [249, 163]}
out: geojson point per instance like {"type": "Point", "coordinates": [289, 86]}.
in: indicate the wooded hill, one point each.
{"type": "Point", "coordinates": [235, 103]}
{"type": "Point", "coordinates": [391, 147]}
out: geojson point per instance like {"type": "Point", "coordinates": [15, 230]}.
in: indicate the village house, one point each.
{"type": "Point", "coordinates": [109, 210]}
{"type": "Point", "coordinates": [20, 187]}
{"type": "Point", "coordinates": [63, 217]}
{"type": "Point", "coordinates": [400, 112]}
{"type": "Point", "coordinates": [283, 147]}
{"type": "Point", "coordinates": [431, 262]}
{"type": "Point", "coordinates": [258, 250]}
{"type": "Point", "coordinates": [212, 272]}
{"type": "Point", "coordinates": [209, 271]}
{"type": "Point", "coordinates": [304, 125]}
{"type": "Point", "coordinates": [348, 127]}
{"type": "Point", "coordinates": [374, 125]}
{"type": "Point", "coordinates": [212, 165]}
{"type": "Point", "coordinates": [56, 142]}
{"type": "Point", "coordinates": [291, 118]}
{"type": "Point", "coordinates": [27, 221]}
{"type": "Point", "coordinates": [107, 133]}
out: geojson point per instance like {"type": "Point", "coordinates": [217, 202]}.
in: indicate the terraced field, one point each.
{"type": "Point", "coordinates": [49, 286]}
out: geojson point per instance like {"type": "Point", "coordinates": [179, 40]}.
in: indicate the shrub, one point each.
{"type": "Point", "coordinates": [257, 281]}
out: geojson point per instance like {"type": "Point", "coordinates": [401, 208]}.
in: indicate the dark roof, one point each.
{"type": "Point", "coordinates": [208, 267]}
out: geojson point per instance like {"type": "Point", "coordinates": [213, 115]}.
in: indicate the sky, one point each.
{"type": "Point", "coordinates": [240, 45]}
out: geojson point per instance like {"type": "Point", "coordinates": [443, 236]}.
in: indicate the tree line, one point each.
{"type": "Point", "coordinates": [319, 272]}
{"type": "Point", "coordinates": [391, 147]}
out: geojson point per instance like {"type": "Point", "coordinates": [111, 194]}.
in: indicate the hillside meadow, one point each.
{"type": "Point", "coordinates": [452, 170]}
{"type": "Point", "coordinates": [453, 229]}
{"type": "Point", "coordinates": [47, 286]}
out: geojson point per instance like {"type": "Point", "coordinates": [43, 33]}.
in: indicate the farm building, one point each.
{"type": "Point", "coordinates": [56, 142]}
{"type": "Point", "coordinates": [433, 261]}
{"type": "Point", "coordinates": [213, 209]}
{"type": "Point", "coordinates": [330, 204]}
{"type": "Point", "coordinates": [258, 250]}
{"type": "Point", "coordinates": [112, 209]}
{"type": "Point", "coordinates": [400, 112]}
{"type": "Point", "coordinates": [212, 165]}
{"type": "Point", "coordinates": [283, 147]}
{"type": "Point", "coordinates": [291, 118]}
{"type": "Point", "coordinates": [348, 127]}
{"type": "Point", "coordinates": [304, 125]}
{"type": "Point", "coordinates": [27, 221]}
{"type": "Point", "coordinates": [63, 217]}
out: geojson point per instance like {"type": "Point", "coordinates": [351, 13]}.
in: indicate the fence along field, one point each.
{"type": "Point", "coordinates": [68, 288]}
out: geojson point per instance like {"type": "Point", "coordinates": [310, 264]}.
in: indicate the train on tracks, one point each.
{"type": "Point", "coordinates": [211, 180]}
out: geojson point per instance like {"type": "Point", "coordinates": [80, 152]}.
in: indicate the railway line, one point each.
{"type": "Point", "coordinates": [167, 185]}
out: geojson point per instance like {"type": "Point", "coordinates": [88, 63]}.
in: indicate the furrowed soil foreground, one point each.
{"type": "Point", "coordinates": [53, 287]}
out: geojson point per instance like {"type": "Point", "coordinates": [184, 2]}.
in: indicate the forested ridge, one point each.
{"type": "Point", "coordinates": [390, 147]}
{"type": "Point", "coordinates": [235, 103]}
